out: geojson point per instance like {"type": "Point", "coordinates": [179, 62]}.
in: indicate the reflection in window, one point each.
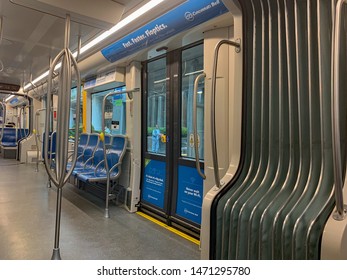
{"type": "Point", "coordinates": [115, 112]}
{"type": "Point", "coordinates": [156, 106]}
{"type": "Point", "coordinates": [192, 66]}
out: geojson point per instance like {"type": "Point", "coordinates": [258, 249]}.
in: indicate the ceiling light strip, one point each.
{"type": "Point", "coordinates": [141, 11]}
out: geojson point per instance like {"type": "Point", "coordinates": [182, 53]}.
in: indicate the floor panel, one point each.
{"type": "Point", "coordinates": [27, 217]}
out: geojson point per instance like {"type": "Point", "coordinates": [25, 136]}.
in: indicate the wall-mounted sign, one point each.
{"type": "Point", "coordinates": [108, 115]}
{"type": "Point", "coordinates": [185, 16]}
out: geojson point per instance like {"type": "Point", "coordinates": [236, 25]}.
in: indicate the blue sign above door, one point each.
{"type": "Point", "coordinates": [183, 17]}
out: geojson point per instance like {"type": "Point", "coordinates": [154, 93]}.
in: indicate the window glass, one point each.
{"type": "Point", "coordinates": [192, 66]}
{"type": "Point", "coordinates": [156, 106]}
{"type": "Point", "coordinates": [115, 112]}
{"type": "Point", "coordinates": [72, 120]}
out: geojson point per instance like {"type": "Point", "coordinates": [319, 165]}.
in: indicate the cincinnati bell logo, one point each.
{"type": "Point", "coordinates": [189, 16]}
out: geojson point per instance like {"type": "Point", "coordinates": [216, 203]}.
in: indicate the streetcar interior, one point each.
{"type": "Point", "coordinates": [222, 119]}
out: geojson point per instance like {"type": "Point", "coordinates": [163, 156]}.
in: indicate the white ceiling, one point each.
{"type": "Point", "coordinates": [31, 38]}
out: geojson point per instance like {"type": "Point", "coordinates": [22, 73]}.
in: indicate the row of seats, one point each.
{"type": "Point", "coordinates": [11, 136]}
{"type": "Point", "coordinates": [90, 164]}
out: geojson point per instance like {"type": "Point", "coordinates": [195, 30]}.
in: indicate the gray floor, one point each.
{"type": "Point", "coordinates": [27, 217]}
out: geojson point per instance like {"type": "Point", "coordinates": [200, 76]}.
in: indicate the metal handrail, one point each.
{"type": "Point", "coordinates": [22, 121]}
{"type": "Point", "coordinates": [129, 92]}
{"type": "Point", "coordinates": [37, 136]}
{"type": "Point", "coordinates": [60, 176]}
{"type": "Point", "coordinates": [195, 125]}
{"type": "Point", "coordinates": [341, 208]}
{"type": "Point", "coordinates": [237, 46]}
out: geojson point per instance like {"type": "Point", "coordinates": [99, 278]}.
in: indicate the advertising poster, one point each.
{"type": "Point", "coordinates": [190, 192]}
{"type": "Point", "coordinates": [189, 14]}
{"type": "Point", "coordinates": [153, 187]}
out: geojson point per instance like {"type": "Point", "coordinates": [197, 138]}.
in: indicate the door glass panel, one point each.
{"type": "Point", "coordinates": [192, 66]}
{"type": "Point", "coordinates": [156, 104]}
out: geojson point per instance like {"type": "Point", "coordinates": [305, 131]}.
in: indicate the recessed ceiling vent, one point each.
{"type": "Point", "coordinates": [102, 14]}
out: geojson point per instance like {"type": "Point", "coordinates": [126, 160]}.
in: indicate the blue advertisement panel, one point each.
{"type": "Point", "coordinates": [190, 192]}
{"type": "Point", "coordinates": [153, 187]}
{"type": "Point", "coordinates": [183, 17]}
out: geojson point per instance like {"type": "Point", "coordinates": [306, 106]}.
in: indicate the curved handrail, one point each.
{"type": "Point", "coordinates": [60, 175]}
{"type": "Point", "coordinates": [195, 126]}
{"type": "Point", "coordinates": [62, 160]}
{"type": "Point", "coordinates": [129, 92]}
{"type": "Point", "coordinates": [48, 113]}
{"type": "Point", "coordinates": [341, 208]}
{"type": "Point", "coordinates": [237, 46]}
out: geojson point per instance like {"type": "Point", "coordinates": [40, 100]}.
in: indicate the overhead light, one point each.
{"type": "Point", "coordinates": [142, 10]}
{"type": "Point", "coordinates": [8, 98]}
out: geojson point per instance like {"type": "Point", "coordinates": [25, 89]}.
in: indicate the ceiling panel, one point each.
{"type": "Point", "coordinates": [30, 38]}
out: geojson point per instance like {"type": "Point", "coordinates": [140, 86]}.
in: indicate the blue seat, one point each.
{"type": "Point", "coordinates": [9, 138]}
{"type": "Point", "coordinates": [88, 151]}
{"type": "Point", "coordinates": [92, 163]}
{"type": "Point", "coordinates": [115, 153]}
{"type": "Point", "coordinates": [51, 144]}
{"type": "Point", "coordinates": [22, 133]}
{"type": "Point", "coordinates": [82, 143]}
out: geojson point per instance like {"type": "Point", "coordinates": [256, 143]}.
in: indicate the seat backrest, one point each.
{"type": "Point", "coordinates": [108, 138]}
{"type": "Point", "coordinates": [9, 135]}
{"type": "Point", "coordinates": [116, 152]}
{"type": "Point", "coordinates": [98, 154]}
{"type": "Point", "coordinates": [118, 145]}
{"type": "Point", "coordinates": [91, 146]}
{"type": "Point", "coordinates": [112, 159]}
{"type": "Point", "coordinates": [82, 143]}
{"type": "Point", "coordinates": [22, 133]}
{"type": "Point", "coordinates": [51, 145]}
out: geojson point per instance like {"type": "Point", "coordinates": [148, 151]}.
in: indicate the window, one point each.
{"type": "Point", "coordinates": [72, 120]}
{"type": "Point", "coordinates": [115, 112]}
{"type": "Point", "coordinates": [192, 66]}
{"type": "Point", "coordinates": [156, 106]}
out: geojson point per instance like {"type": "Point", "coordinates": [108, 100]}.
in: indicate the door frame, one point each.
{"type": "Point", "coordinates": [173, 158]}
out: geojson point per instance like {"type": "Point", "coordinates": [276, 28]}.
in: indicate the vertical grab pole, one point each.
{"type": "Point", "coordinates": [341, 208]}
{"type": "Point", "coordinates": [60, 175]}
{"type": "Point", "coordinates": [102, 138]}
{"type": "Point", "coordinates": [3, 108]}
{"type": "Point", "coordinates": [19, 120]}
{"type": "Point", "coordinates": [22, 121]}
{"type": "Point", "coordinates": [195, 125]}
{"type": "Point", "coordinates": [25, 118]}
{"type": "Point", "coordinates": [237, 46]}
{"type": "Point", "coordinates": [37, 135]}
{"type": "Point", "coordinates": [107, 214]}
